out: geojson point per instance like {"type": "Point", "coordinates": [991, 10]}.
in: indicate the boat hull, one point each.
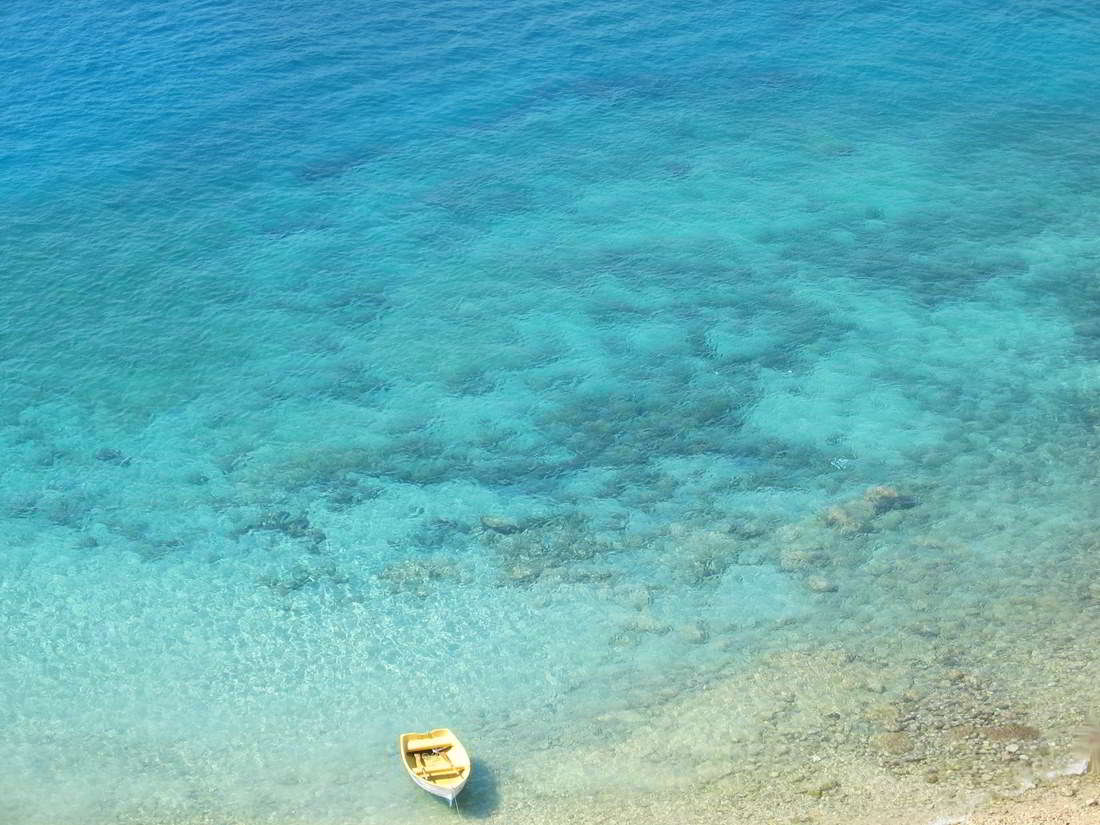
{"type": "Point", "coordinates": [445, 793]}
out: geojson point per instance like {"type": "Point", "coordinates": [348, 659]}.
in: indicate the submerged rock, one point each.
{"type": "Point", "coordinates": [110, 455]}
{"type": "Point", "coordinates": [291, 526]}
{"type": "Point", "coordinates": [542, 546]}
{"type": "Point", "coordinates": [700, 555]}
{"type": "Point", "coordinates": [693, 632]}
{"type": "Point", "coordinates": [893, 743]}
{"type": "Point", "coordinates": [1009, 733]}
{"type": "Point", "coordinates": [638, 598]}
{"type": "Point", "coordinates": [417, 575]}
{"type": "Point", "coordinates": [504, 525]}
{"type": "Point", "coordinates": [858, 515]}
{"type": "Point", "coordinates": [304, 575]}
{"type": "Point", "coordinates": [884, 498]}
{"type": "Point", "coordinates": [647, 623]}
{"type": "Point", "coordinates": [820, 584]}
{"type": "Point", "coordinates": [522, 574]}
{"type": "Point", "coordinates": [853, 517]}
{"type": "Point", "coordinates": [791, 558]}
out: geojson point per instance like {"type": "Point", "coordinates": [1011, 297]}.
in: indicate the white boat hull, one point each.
{"type": "Point", "coordinates": [446, 793]}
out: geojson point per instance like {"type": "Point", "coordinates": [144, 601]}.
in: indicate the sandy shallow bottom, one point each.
{"type": "Point", "coordinates": [820, 736]}
{"type": "Point", "coordinates": [1066, 803]}
{"type": "Point", "coordinates": [976, 707]}
{"type": "Point", "coordinates": [990, 772]}
{"type": "Point", "coordinates": [979, 711]}
{"type": "Point", "coordinates": [1062, 806]}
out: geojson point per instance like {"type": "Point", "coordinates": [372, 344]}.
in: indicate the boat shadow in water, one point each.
{"type": "Point", "coordinates": [480, 798]}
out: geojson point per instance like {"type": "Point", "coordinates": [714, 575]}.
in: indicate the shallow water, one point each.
{"type": "Point", "coordinates": [497, 365]}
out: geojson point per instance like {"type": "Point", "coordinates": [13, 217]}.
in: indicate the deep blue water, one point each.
{"type": "Point", "coordinates": [345, 343]}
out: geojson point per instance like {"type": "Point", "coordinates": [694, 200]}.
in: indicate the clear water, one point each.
{"type": "Point", "coordinates": [372, 367]}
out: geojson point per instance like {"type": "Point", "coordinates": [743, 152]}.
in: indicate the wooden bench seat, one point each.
{"type": "Point", "coordinates": [418, 745]}
{"type": "Point", "coordinates": [443, 773]}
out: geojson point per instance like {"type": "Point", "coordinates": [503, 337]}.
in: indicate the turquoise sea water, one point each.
{"type": "Point", "coordinates": [377, 366]}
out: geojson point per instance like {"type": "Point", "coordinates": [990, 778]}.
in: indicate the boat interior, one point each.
{"type": "Point", "coordinates": [431, 759]}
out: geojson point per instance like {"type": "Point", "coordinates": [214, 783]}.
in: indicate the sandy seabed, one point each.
{"type": "Point", "coordinates": [802, 765]}
{"type": "Point", "coordinates": [976, 707]}
{"type": "Point", "coordinates": [983, 719]}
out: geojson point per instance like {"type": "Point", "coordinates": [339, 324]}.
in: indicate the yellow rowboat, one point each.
{"type": "Point", "coordinates": [436, 762]}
